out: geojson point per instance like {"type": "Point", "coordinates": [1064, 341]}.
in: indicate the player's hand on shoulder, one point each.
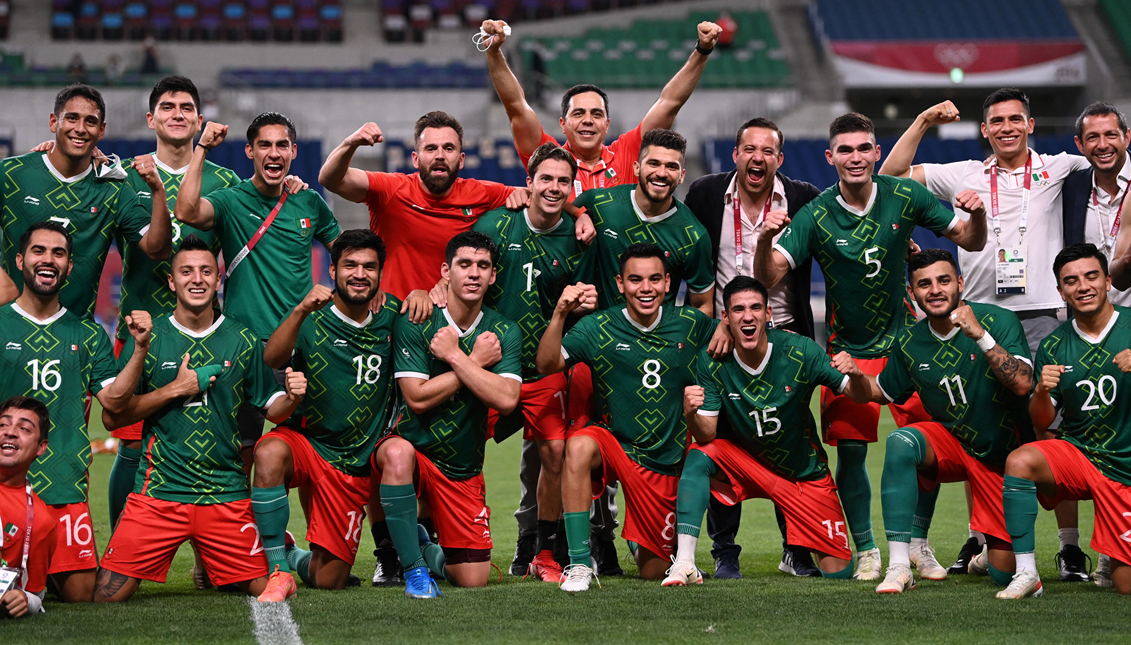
{"type": "Point", "coordinates": [693, 396]}
{"type": "Point", "coordinates": [1050, 377]}
{"type": "Point", "coordinates": [487, 350]}
{"type": "Point", "coordinates": [14, 603]}
{"type": "Point", "coordinates": [317, 298]}
{"type": "Point", "coordinates": [418, 304]}
{"type": "Point", "coordinates": [709, 34]}
{"type": "Point", "coordinates": [213, 135]}
{"type": "Point", "coordinates": [367, 135]}
{"type": "Point", "coordinates": [146, 168]}
{"type": "Point", "coordinates": [439, 293]}
{"type": "Point", "coordinates": [294, 184]}
{"type": "Point", "coordinates": [497, 29]}
{"type": "Point", "coordinates": [964, 317]}
{"type": "Point", "coordinates": [774, 223]}
{"type": "Point", "coordinates": [571, 297]}
{"type": "Point", "coordinates": [583, 227]}
{"type": "Point", "coordinates": [378, 301]}
{"type": "Point", "coordinates": [970, 202]}
{"type": "Point", "coordinates": [46, 146]}
{"type": "Point", "coordinates": [913, 249]}
{"type": "Point", "coordinates": [845, 364]}
{"type": "Point", "coordinates": [295, 384]}
{"type": "Point", "coordinates": [519, 198]}
{"type": "Point", "coordinates": [445, 344]}
{"type": "Point", "coordinates": [1123, 360]}
{"type": "Point", "coordinates": [944, 112]}
{"type": "Point", "coordinates": [722, 342]}
{"type": "Point", "coordinates": [140, 325]}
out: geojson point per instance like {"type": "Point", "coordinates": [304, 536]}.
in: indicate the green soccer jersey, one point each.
{"type": "Point", "coordinates": [638, 377]}
{"type": "Point", "coordinates": [453, 434]}
{"type": "Point", "coordinates": [191, 447]}
{"type": "Point", "coordinates": [534, 266]}
{"type": "Point", "coordinates": [864, 259]}
{"type": "Point", "coordinates": [620, 222]}
{"type": "Point", "coordinates": [145, 281]}
{"type": "Point", "coordinates": [93, 210]}
{"type": "Point", "coordinates": [349, 390]}
{"type": "Point", "coordinates": [57, 361]}
{"type": "Point", "coordinates": [1097, 414]}
{"type": "Point", "coordinates": [276, 275]}
{"type": "Point", "coordinates": [766, 407]}
{"type": "Point", "coordinates": [957, 386]}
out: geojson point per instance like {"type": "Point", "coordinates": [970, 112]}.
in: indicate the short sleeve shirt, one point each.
{"type": "Point", "coordinates": [614, 168]}
{"type": "Point", "coordinates": [13, 522]}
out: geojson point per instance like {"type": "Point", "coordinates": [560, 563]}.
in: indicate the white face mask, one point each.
{"type": "Point", "coordinates": [111, 169]}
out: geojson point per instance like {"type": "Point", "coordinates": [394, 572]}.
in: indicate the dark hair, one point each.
{"type": "Point", "coordinates": [31, 405]}
{"type": "Point", "coordinates": [848, 123]}
{"type": "Point", "coordinates": [170, 85]}
{"type": "Point", "coordinates": [436, 119]}
{"type": "Point", "coordinates": [927, 257]}
{"type": "Point", "coordinates": [1100, 108]}
{"type": "Point", "coordinates": [270, 118]}
{"type": "Point", "coordinates": [191, 243]}
{"type": "Point", "coordinates": [48, 225]}
{"type": "Point", "coordinates": [471, 240]}
{"type": "Point", "coordinates": [643, 250]}
{"type": "Point", "coordinates": [669, 139]}
{"type": "Point", "coordinates": [582, 89]}
{"type": "Point", "coordinates": [1074, 252]}
{"type": "Point", "coordinates": [547, 151]}
{"type": "Point", "coordinates": [81, 91]}
{"type": "Point", "coordinates": [1003, 95]}
{"type": "Point", "coordinates": [760, 122]}
{"type": "Point", "coordinates": [358, 238]}
{"type": "Point", "coordinates": [744, 283]}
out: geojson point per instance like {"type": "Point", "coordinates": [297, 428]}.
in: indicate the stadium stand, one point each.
{"type": "Point", "coordinates": [1118, 13]}
{"type": "Point", "coordinates": [380, 75]}
{"type": "Point", "coordinates": [15, 73]}
{"type": "Point", "coordinates": [5, 18]}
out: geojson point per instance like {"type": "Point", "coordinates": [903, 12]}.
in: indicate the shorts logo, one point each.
{"type": "Point", "coordinates": [611, 233]}
{"type": "Point", "coordinates": [923, 367]}
{"type": "Point", "coordinates": [15, 346]}
{"type": "Point", "coordinates": [338, 342]}
{"type": "Point", "coordinates": [86, 553]}
{"type": "Point", "coordinates": [31, 200]}
{"type": "Point", "coordinates": [168, 365]}
{"type": "Point", "coordinates": [623, 347]}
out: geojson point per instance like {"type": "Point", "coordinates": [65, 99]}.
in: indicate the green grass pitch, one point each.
{"type": "Point", "coordinates": [767, 606]}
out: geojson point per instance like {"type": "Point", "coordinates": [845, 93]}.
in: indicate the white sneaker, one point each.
{"type": "Point", "coordinates": [980, 563]}
{"type": "Point", "coordinates": [681, 574]}
{"type": "Point", "coordinates": [923, 559]}
{"type": "Point", "coordinates": [868, 565]}
{"type": "Point", "coordinates": [1102, 574]}
{"type": "Point", "coordinates": [898, 580]}
{"type": "Point", "coordinates": [1025, 584]}
{"type": "Point", "coordinates": [576, 577]}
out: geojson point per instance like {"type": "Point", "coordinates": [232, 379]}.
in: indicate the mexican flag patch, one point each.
{"type": "Point", "coordinates": [610, 173]}
{"type": "Point", "coordinates": [304, 223]}
{"type": "Point", "coordinates": [11, 529]}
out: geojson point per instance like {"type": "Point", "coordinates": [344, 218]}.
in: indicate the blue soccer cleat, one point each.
{"type": "Point", "coordinates": [418, 583]}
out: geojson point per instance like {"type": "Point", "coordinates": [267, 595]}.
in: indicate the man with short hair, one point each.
{"type": "Point", "coordinates": [324, 448]}
{"type": "Point", "coordinates": [770, 448]}
{"type": "Point", "coordinates": [451, 369]}
{"type": "Point", "coordinates": [858, 230]}
{"type": "Point", "coordinates": [52, 355]}
{"type": "Point", "coordinates": [642, 355]}
{"type": "Point", "coordinates": [29, 528]}
{"type": "Point", "coordinates": [969, 362]}
{"type": "Point", "coordinates": [1026, 188]}
{"type": "Point", "coordinates": [1082, 368]}
{"type": "Point", "coordinates": [201, 369]}
{"type": "Point", "coordinates": [94, 205]}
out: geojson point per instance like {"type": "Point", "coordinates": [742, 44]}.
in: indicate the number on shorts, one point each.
{"type": "Point", "coordinates": [651, 378]}
{"type": "Point", "coordinates": [1126, 536]}
{"type": "Point", "coordinates": [560, 396]}
{"type": "Point", "coordinates": [836, 528]}
{"type": "Point", "coordinates": [1094, 390]}
{"type": "Point", "coordinates": [353, 534]}
{"type": "Point", "coordinates": [77, 530]}
{"type": "Point", "coordinates": [257, 545]}
{"type": "Point", "coordinates": [368, 368]}
{"type": "Point", "coordinates": [669, 528]}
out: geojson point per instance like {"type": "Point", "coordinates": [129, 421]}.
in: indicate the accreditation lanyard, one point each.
{"type": "Point", "coordinates": [258, 234]}
{"type": "Point", "coordinates": [27, 531]}
{"type": "Point", "coordinates": [1114, 225]}
{"type": "Point", "coordinates": [738, 225]}
{"type": "Point", "coordinates": [995, 210]}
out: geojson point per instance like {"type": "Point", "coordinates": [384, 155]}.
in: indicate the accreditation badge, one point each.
{"type": "Point", "coordinates": [1010, 269]}
{"type": "Point", "coordinates": [8, 578]}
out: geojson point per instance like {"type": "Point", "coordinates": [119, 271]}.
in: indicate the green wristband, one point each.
{"type": "Point", "coordinates": [204, 375]}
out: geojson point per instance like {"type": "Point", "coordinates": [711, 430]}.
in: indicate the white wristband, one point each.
{"type": "Point", "coordinates": [986, 342]}
{"type": "Point", "coordinates": [34, 603]}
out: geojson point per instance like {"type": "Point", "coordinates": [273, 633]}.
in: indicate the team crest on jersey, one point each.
{"type": "Point", "coordinates": [31, 200]}
{"type": "Point", "coordinates": [304, 222]}
{"type": "Point", "coordinates": [555, 263]}
{"type": "Point", "coordinates": [227, 364]}
{"type": "Point", "coordinates": [610, 173]}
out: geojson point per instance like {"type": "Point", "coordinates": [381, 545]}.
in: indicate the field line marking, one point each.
{"type": "Point", "coordinates": [274, 624]}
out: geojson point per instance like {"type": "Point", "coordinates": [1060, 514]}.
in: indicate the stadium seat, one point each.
{"type": "Point", "coordinates": [5, 18]}
{"type": "Point", "coordinates": [283, 22]}
{"type": "Point", "coordinates": [330, 16]}
{"type": "Point", "coordinates": [113, 26]}
{"type": "Point", "coordinates": [235, 21]}
{"type": "Point", "coordinates": [89, 20]}
{"type": "Point", "coordinates": [62, 25]}
{"type": "Point", "coordinates": [137, 20]}
{"type": "Point", "coordinates": [186, 21]}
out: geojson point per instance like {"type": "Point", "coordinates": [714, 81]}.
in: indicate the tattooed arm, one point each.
{"type": "Point", "coordinates": [1010, 371]}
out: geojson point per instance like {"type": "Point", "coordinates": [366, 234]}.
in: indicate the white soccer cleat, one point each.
{"type": "Point", "coordinates": [923, 559]}
{"type": "Point", "coordinates": [980, 563]}
{"type": "Point", "coordinates": [1102, 574]}
{"type": "Point", "coordinates": [868, 565]}
{"type": "Point", "coordinates": [899, 579]}
{"type": "Point", "coordinates": [681, 574]}
{"type": "Point", "coordinates": [1025, 584]}
{"type": "Point", "coordinates": [576, 578]}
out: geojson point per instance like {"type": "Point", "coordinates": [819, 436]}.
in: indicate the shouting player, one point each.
{"type": "Point", "coordinates": [769, 446]}
{"type": "Point", "coordinates": [201, 368]}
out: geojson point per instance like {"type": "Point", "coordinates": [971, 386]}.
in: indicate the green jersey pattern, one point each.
{"type": "Point", "coordinates": [639, 375]}
{"type": "Point", "coordinates": [619, 223]}
{"type": "Point", "coordinates": [766, 407]}
{"type": "Point", "coordinates": [453, 434]}
{"type": "Point", "coordinates": [534, 267]}
{"type": "Point", "coordinates": [957, 386]}
{"type": "Point", "coordinates": [191, 447]}
{"type": "Point", "coordinates": [864, 260]}
{"type": "Point", "coordinates": [349, 392]}
{"type": "Point", "coordinates": [276, 275]}
{"type": "Point", "coordinates": [56, 361]}
{"type": "Point", "coordinates": [145, 281]}
{"type": "Point", "coordinates": [1093, 394]}
{"type": "Point", "coordinates": [94, 212]}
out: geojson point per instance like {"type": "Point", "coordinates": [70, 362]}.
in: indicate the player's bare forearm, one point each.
{"type": "Point", "coordinates": [157, 243]}
{"type": "Point", "coordinates": [1010, 371]}
{"type": "Point", "coordinates": [549, 359]}
{"type": "Point", "coordinates": [675, 94]}
{"type": "Point", "coordinates": [970, 234]}
{"type": "Point", "coordinates": [769, 265]}
{"type": "Point", "coordinates": [115, 396]}
{"type": "Point", "coordinates": [422, 395]}
{"type": "Point", "coordinates": [1041, 411]}
{"type": "Point", "coordinates": [875, 394]}
{"type": "Point", "coordinates": [703, 429]}
{"type": "Point", "coordinates": [281, 344]}
{"type": "Point", "coordinates": [190, 208]}
{"type": "Point", "coordinates": [495, 391]}
{"type": "Point", "coordinates": [8, 289]}
{"type": "Point", "coordinates": [902, 154]}
{"type": "Point", "coordinates": [337, 176]}
{"type": "Point", "coordinates": [704, 302]}
{"type": "Point", "coordinates": [525, 127]}
{"type": "Point", "coordinates": [859, 389]}
{"type": "Point", "coordinates": [282, 408]}
{"type": "Point", "coordinates": [139, 407]}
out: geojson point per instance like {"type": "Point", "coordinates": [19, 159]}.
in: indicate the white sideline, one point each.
{"type": "Point", "coordinates": [273, 623]}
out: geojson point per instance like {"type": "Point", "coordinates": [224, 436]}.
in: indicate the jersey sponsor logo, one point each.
{"type": "Point", "coordinates": [1067, 368]}
{"type": "Point", "coordinates": [144, 193]}
{"type": "Point", "coordinates": [623, 347]}
{"type": "Point", "coordinates": [338, 342]}
{"type": "Point", "coordinates": [514, 247]}
{"type": "Point", "coordinates": [923, 367]}
{"type": "Point", "coordinates": [15, 346]}
{"type": "Point", "coordinates": [168, 365]}
{"type": "Point", "coordinates": [405, 352]}
{"type": "Point", "coordinates": [611, 233]}
{"type": "Point", "coordinates": [840, 242]}
{"type": "Point", "coordinates": [31, 200]}
{"type": "Point", "coordinates": [734, 396]}
{"type": "Point", "coordinates": [254, 215]}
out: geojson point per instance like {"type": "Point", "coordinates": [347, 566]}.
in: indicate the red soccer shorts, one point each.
{"type": "Point", "coordinates": [581, 412]}
{"type": "Point", "coordinates": [151, 530]}
{"type": "Point", "coordinates": [813, 518]}
{"type": "Point", "coordinates": [955, 465]}
{"type": "Point", "coordinates": [1078, 478]}
{"type": "Point", "coordinates": [543, 407]}
{"type": "Point", "coordinates": [843, 419]}
{"type": "Point", "coordinates": [75, 549]}
{"type": "Point", "coordinates": [649, 497]}
{"type": "Point", "coordinates": [131, 432]}
{"type": "Point", "coordinates": [337, 500]}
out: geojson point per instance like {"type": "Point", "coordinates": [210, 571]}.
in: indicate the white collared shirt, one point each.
{"type": "Point", "coordinates": [781, 296]}
{"type": "Point", "coordinates": [1100, 218]}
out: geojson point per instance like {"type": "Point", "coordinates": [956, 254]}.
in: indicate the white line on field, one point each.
{"type": "Point", "coordinates": [273, 623]}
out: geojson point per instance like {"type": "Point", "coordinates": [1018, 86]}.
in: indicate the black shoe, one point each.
{"type": "Point", "coordinates": [523, 554]}
{"type": "Point", "coordinates": [1074, 564]}
{"type": "Point", "coordinates": [797, 561]}
{"type": "Point", "coordinates": [726, 568]}
{"type": "Point", "coordinates": [962, 564]}
{"type": "Point", "coordinates": [388, 572]}
{"type": "Point", "coordinates": [605, 552]}
{"type": "Point", "coordinates": [353, 581]}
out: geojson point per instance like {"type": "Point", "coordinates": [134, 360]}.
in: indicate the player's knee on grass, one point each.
{"type": "Point", "coordinates": [1120, 576]}
{"type": "Point", "coordinates": [327, 571]}
{"type": "Point", "coordinates": [253, 587]}
{"type": "Point", "coordinates": [114, 587]}
{"type": "Point", "coordinates": [467, 567]}
{"type": "Point", "coordinates": [833, 567]}
{"type": "Point", "coordinates": [651, 565]}
{"type": "Point", "coordinates": [75, 586]}
{"type": "Point", "coordinates": [274, 463]}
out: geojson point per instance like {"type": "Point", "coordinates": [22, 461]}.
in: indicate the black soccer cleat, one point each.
{"type": "Point", "coordinates": [1074, 564]}
{"type": "Point", "coordinates": [797, 561]}
{"type": "Point", "coordinates": [605, 553]}
{"type": "Point", "coordinates": [965, 555]}
{"type": "Point", "coordinates": [388, 571]}
{"type": "Point", "coordinates": [523, 554]}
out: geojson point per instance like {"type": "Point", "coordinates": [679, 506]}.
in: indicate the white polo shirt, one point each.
{"type": "Point", "coordinates": [1102, 208]}
{"type": "Point", "coordinates": [781, 296]}
{"type": "Point", "coordinates": [1044, 237]}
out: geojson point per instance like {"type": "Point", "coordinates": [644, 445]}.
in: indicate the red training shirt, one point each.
{"type": "Point", "coordinates": [614, 168]}
{"type": "Point", "coordinates": [13, 519]}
